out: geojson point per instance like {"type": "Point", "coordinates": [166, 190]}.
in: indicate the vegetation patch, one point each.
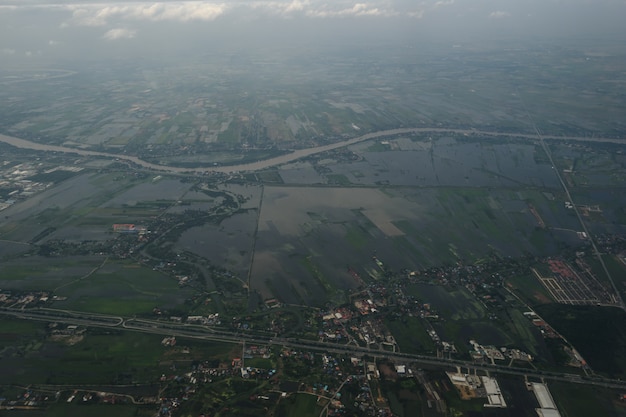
{"type": "Point", "coordinates": [598, 333]}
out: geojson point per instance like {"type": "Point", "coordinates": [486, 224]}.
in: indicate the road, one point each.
{"type": "Point", "coordinates": [583, 225]}
{"type": "Point", "coordinates": [295, 155]}
{"type": "Point", "coordinates": [219, 335]}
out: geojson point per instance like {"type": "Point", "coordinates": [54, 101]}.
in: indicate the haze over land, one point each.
{"type": "Point", "coordinates": [51, 31]}
{"type": "Point", "coordinates": [290, 208]}
{"type": "Point", "coordinates": [198, 83]}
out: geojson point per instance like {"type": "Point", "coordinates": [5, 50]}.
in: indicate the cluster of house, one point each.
{"type": "Point", "coordinates": [13, 299]}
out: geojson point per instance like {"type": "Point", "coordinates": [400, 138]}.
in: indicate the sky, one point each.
{"type": "Point", "coordinates": [47, 29]}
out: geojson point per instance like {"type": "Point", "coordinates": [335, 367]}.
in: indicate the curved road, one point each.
{"type": "Point", "coordinates": [300, 153]}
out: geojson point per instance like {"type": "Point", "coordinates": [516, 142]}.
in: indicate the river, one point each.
{"type": "Point", "coordinates": [282, 159]}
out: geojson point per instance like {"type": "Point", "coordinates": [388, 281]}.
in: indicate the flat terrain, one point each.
{"type": "Point", "coordinates": [400, 200]}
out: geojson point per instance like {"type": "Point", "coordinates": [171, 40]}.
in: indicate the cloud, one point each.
{"type": "Point", "coordinates": [296, 6]}
{"type": "Point", "coordinates": [119, 33]}
{"type": "Point", "coordinates": [7, 51]}
{"type": "Point", "coordinates": [53, 42]}
{"type": "Point", "coordinates": [358, 9]}
{"type": "Point", "coordinates": [98, 13]}
{"type": "Point", "coordinates": [499, 14]}
{"type": "Point", "coordinates": [317, 9]}
{"type": "Point", "coordinates": [442, 3]}
{"type": "Point", "coordinates": [101, 14]}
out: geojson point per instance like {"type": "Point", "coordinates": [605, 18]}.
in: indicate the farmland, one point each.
{"type": "Point", "coordinates": [414, 209]}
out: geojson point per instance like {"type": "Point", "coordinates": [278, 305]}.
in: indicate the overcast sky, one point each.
{"type": "Point", "coordinates": [46, 28]}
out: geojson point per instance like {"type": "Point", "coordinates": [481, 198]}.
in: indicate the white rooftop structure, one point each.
{"type": "Point", "coordinates": [543, 396]}
{"type": "Point", "coordinates": [494, 395]}
{"type": "Point", "coordinates": [548, 412]}
{"type": "Point", "coordinates": [546, 403]}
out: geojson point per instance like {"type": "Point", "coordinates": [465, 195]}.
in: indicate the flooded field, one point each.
{"type": "Point", "coordinates": [314, 234]}
{"type": "Point", "coordinates": [448, 161]}
{"type": "Point", "coordinates": [154, 190]}
{"type": "Point", "coordinates": [417, 200]}
{"type": "Point", "coordinates": [228, 244]}
{"type": "Point", "coordinates": [307, 237]}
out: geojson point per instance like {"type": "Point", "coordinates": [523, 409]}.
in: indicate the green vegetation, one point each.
{"type": "Point", "coordinates": [528, 287]}
{"type": "Point", "coordinates": [574, 400]}
{"type": "Point", "coordinates": [98, 410]}
{"type": "Point", "coordinates": [228, 397]}
{"type": "Point", "coordinates": [616, 268]}
{"type": "Point", "coordinates": [272, 177]}
{"type": "Point", "coordinates": [107, 305]}
{"type": "Point", "coordinates": [122, 288]}
{"type": "Point", "coordinates": [301, 405]}
{"type": "Point", "coordinates": [338, 179]}
{"type": "Point", "coordinates": [378, 146]}
{"type": "Point", "coordinates": [469, 212]}
{"type": "Point", "coordinates": [357, 236]}
{"type": "Point", "coordinates": [526, 333]}
{"type": "Point", "coordinates": [261, 363]}
{"type": "Point", "coordinates": [411, 335]}
{"type": "Point", "coordinates": [598, 333]}
{"type": "Point", "coordinates": [453, 303]}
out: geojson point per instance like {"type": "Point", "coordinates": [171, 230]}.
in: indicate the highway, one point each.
{"type": "Point", "coordinates": [261, 338]}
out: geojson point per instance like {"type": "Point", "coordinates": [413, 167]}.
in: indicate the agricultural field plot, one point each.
{"type": "Point", "coordinates": [57, 207]}
{"type": "Point", "coordinates": [307, 236]}
{"type": "Point", "coordinates": [95, 284]}
{"type": "Point", "coordinates": [76, 209]}
{"type": "Point", "coordinates": [475, 221]}
{"type": "Point", "coordinates": [436, 160]}
{"type": "Point", "coordinates": [301, 248]}
{"type": "Point", "coordinates": [602, 208]}
{"type": "Point", "coordinates": [156, 188]}
{"type": "Point", "coordinates": [574, 400]}
{"type": "Point", "coordinates": [593, 166]}
{"type": "Point", "coordinates": [95, 410]}
{"type": "Point", "coordinates": [462, 317]}
{"type": "Point", "coordinates": [411, 335]}
{"type": "Point", "coordinates": [454, 304]}
{"type": "Point", "coordinates": [300, 173]}
{"type": "Point", "coordinates": [530, 289]}
{"type": "Point", "coordinates": [596, 178]}
{"type": "Point", "coordinates": [304, 405]}
{"type": "Point", "coordinates": [598, 333]}
{"type": "Point", "coordinates": [46, 274]}
{"type": "Point", "coordinates": [228, 244]}
{"type": "Point", "coordinates": [30, 355]}
{"type": "Point", "coordinates": [123, 288]}
{"type": "Point", "coordinates": [617, 268]}
{"type": "Point", "coordinates": [175, 113]}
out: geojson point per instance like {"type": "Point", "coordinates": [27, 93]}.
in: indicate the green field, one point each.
{"type": "Point", "coordinates": [42, 273]}
{"type": "Point", "coordinates": [528, 287]}
{"type": "Point", "coordinates": [452, 303]}
{"type": "Point", "coordinates": [122, 288]}
{"type": "Point", "coordinates": [575, 400]}
{"type": "Point", "coordinates": [99, 356]}
{"type": "Point", "coordinates": [598, 333]}
{"type": "Point", "coordinates": [299, 405]}
{"type": "Point", "coordinates": [94, 284]}
{"type": "Point", "coordinates": [93, 410]}
{"type": "Point", "coordinates": [411, 335]}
